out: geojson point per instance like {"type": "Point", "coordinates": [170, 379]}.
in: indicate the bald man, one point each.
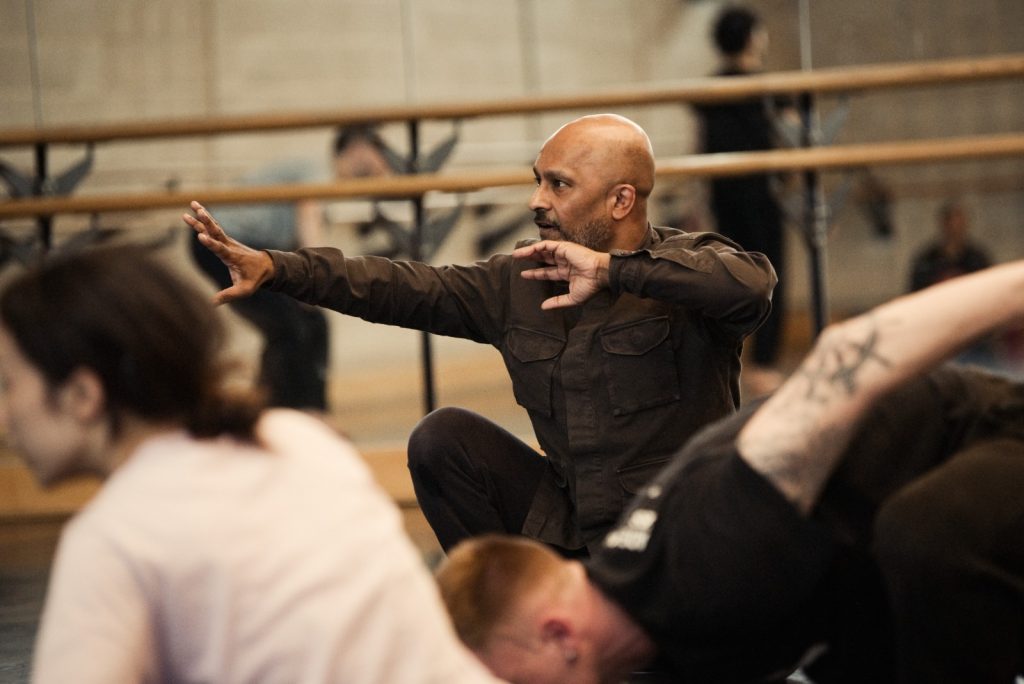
{"type": "Point", "coordinates": [621, 340]}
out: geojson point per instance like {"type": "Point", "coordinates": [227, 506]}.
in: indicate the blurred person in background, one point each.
{"type": "Point", "coordinates": [745, 207]}
{"type": "Point", "coordinates": [296, 346]}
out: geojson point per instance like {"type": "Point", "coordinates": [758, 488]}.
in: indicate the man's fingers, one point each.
{"type": "Point", "coordinates": [200, 211]}
{"type": "Point", "coordinates": [193, 222]}
{"type": "Point", "coordinates": [214, 245]}
{"type": "Point", "coordinates": [212, 227]}
{"type": "Point", "coordinates": [557, 302]}
{"type": "Point", "coordinates": [229, 294]}
{"type": "Point", "coordinates": [548, 273]}
{"type": "Point", "coordinates": [543, 251]}
{"type": "Point", "coordinates": [204, 221]}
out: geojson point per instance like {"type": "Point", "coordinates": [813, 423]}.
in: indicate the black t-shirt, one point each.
{"type": "Point", "coordinates": [738, 126]}
{"type": "Point", "coordinates": [933, 265]}
{"type": "Point", "coordinates": [733, 585]}
{"type": "Point", "coordinates": [744, 206]}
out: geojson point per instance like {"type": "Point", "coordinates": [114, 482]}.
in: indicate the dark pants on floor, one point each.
{"type": "Point", "coordinates": [293, 366]}
{"type": "Point", "coordinates": [951, 548]}
{"type": "Point", "coordinates": [471, 476]}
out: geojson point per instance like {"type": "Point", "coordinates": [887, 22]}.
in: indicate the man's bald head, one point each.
{"type": "Point", "coordinates": [616, 147]}
{"type": "Point", "coordinates": [594, 176]}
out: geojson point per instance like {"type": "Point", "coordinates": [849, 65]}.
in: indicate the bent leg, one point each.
{"type": "Point", "coordinates": [951, 548]}
{"type": "Point", "coordinates": [471, 476]}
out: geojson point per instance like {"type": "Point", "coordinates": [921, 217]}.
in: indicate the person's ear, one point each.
{"type": "Point", "coordinates": [559, 633]}
{"type": "Point", "coordinates": [82, 396]}
{"type": "Point", "coordinates": [623, 200]}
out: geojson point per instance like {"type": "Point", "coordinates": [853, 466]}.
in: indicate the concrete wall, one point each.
{"type": "Point", "coordinates": [91, 61]}
{"type": "Point", "coordinates": [864, 269]}
{"type": "Point", "coordinates": [102, 61]}
{"type": "Point", "coordinates": [88, 61]}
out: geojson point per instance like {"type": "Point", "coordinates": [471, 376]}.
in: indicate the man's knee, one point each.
{"type": "Point", "coordinates": [438, 435]}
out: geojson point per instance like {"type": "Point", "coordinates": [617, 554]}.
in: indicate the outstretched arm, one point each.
{"type": "Point", "coordinates": [249, 267]}
{"type": "Point", "coordinates": [796, 438]}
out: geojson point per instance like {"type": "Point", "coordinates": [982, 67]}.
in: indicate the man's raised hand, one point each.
{"type": "Point", "coordinates": [585, 270]}
{"type": "Point", "coordinates": [249, 268]}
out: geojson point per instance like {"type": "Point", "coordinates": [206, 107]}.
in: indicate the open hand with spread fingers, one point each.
{"type": "Point", "coordinates": [249, 268]}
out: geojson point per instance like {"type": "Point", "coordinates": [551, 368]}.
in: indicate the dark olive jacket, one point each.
{"type": "Point", "coordinates": [612, 387]}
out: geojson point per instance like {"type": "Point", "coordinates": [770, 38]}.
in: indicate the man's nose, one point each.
{"type": "Point", "coordinates": [538, 200]}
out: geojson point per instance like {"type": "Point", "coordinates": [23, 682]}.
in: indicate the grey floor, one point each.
{"type": "Point", "coordinates": [26, 549]}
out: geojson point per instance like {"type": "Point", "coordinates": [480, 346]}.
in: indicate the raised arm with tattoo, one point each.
{"type": "Point", "coordinates": [795, 439]}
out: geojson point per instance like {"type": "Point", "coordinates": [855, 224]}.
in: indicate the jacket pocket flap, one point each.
{"type": "Point", "coordinates": [635, 476]}
{"type": "Point", "coordinates": [531, 345]}
{"type": "Point", "coordinates": [634, 339]}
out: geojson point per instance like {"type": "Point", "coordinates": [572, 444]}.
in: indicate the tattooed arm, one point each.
{"type": "Point", "coordinates": [797, 437]}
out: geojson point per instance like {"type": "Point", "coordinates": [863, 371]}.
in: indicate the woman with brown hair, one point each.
{"type": "Point", "coordinates": [228, 543]}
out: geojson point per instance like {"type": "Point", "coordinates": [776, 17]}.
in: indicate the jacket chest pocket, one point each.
{"type": "Point", "coordinates": [531, 357]}
{"type": "Point", "coordinates": [640, 365]}
{"type": "Point", "coordinates": [635, 477]}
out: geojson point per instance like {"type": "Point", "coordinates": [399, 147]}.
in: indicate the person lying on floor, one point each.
{"type": "Point", "coordinates": [865, 523]}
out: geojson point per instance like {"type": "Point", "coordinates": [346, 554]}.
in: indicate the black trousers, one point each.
{"type": "Point", "coordinates": [293, 366]}
{"type": "Point", "coordinates": [951, 549]}
{"type": "Point", "coordinates": [471, 476]}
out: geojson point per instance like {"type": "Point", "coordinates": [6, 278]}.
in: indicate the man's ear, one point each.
{"type": "Point", "coordinates": [556, 629]}
{"type": "Point", "coordinates": [559, 632]}
{"type": "Point", "coordinates": [82, 395]}
{"type": "Point", "coordinates": [624, 198]}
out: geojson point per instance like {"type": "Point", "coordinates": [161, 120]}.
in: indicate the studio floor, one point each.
{"type": "Point", "coordinates": [26, 549]}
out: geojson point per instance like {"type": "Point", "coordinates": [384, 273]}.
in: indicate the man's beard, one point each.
{"type": "Point", "coordinates": [595, 234]}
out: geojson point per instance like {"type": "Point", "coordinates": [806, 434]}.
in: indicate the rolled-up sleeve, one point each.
{"type": "Point", "coordinates": [706, 273]}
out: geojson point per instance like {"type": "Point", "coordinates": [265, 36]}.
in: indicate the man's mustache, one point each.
{"type": "Point", "coordinates": [540, 217]}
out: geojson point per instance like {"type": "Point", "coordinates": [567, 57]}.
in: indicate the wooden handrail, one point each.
{"type": "Point", "coordinates": [847, 156]}
{"type": "Point", "coordinates": [694, 91]}
{"type": "Point", "coordinates": [697, 165]}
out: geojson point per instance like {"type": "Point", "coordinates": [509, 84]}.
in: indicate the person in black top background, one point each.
{"type": "Point", "coordinates": [744, 207]}
{"type": "Point", "coordinates": [952, 253]}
